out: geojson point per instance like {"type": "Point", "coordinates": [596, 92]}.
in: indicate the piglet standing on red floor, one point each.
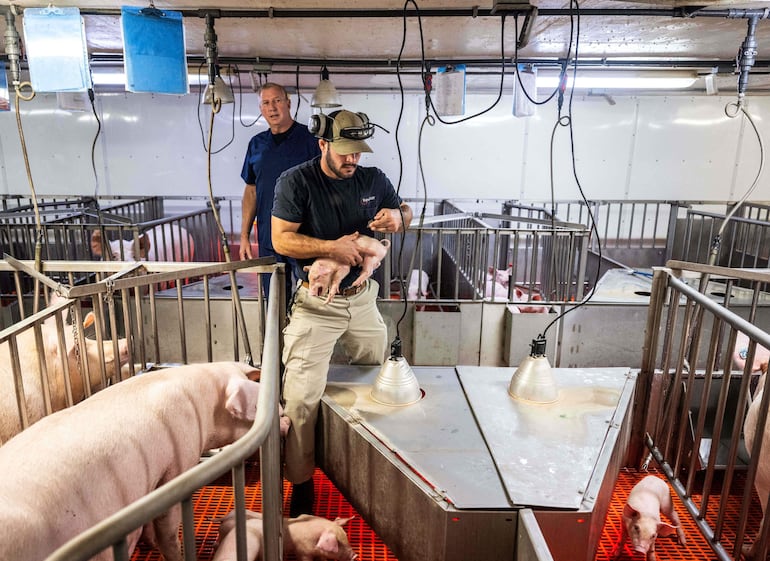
{"type": "Point", "coordinates": [641, 517]}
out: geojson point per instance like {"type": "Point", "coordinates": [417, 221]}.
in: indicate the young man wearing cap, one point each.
{"type": "Point", "coordinates": [320, 207]}
{"type": "Point", "coordinates": [285, 144]}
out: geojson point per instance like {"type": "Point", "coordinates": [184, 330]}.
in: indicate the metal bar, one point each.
{"type": "Point", "coordinates": [114, 528]}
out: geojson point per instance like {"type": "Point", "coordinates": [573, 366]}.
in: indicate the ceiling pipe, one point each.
{"type": "Point", "coordinates": [383, 64]}
{"type": "Point", "coordinates": [471, 12]}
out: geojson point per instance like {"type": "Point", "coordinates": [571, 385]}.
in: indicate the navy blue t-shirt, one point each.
{"type": "Point", "coordinates": [265, 160]}
{"type": "Point", "coordinates": [329, 208]}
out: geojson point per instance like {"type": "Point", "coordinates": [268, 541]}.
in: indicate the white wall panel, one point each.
{"type": "Point", "coordinates": [639, 148]}
{"type": "Point", "coordinates": [747, 152]}
{"type": "Point", "coordinates": [478, 158]}
{"type": "Point", "coordinates": [684, 145]}
{"type": "Point", "coordinates": [603, 135]}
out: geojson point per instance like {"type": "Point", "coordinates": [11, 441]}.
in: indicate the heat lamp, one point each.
{"type": "Point", "coordinates": [396, 383]}
{"type": "Point", "coordinates": [533, 380]}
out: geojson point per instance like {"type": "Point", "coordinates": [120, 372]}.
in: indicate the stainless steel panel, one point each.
{"type": "Point", "coordinates": [530, 542]}
{"type": "Point", "coordinates": [437, 436]}
{"type": "Point", "coordinates": [415, 521]}
{"type": "Point", "coordinates": [224, 331]}
{"type": "Point", "coordinates": [545, 453]}
{"type": "Point", "coordinates": [436, 335]}
{"type": "Point", "coordinates": [422, 477]}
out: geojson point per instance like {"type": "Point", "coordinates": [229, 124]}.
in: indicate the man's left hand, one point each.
{"type": "Point", "coordinates": [387, 220]}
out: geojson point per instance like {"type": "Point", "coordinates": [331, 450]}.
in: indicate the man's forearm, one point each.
{"type": "Point", "coordinates": [300, 246]}
{"type": "Point", "coordinates": [248, 210]}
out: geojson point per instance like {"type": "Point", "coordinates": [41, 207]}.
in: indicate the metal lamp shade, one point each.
{"type": "Point", "coordinates": [533, 381]}
{"type": "Point", "coordinates": [396, 383]}
{"type": "Point", "coordinates": [325, 95]}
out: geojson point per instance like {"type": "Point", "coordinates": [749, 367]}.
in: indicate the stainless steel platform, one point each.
{"type": "Point", "coordinates": [630, 286]}
{"type": "Point", "coordinates": [445, 478]}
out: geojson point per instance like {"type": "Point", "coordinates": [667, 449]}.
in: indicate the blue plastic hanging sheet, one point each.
{"type": "Point", "coordinates": [55, 44]}
{"type": "Point", "coordinates": [5, 100]}
{"type": "Point", "coordinates": [154, 50]}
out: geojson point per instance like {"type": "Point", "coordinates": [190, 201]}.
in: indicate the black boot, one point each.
{"type": "Point", "coordinates": [302, 497]}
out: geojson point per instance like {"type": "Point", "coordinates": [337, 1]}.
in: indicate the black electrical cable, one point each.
{"type": "Point", "coordinates": [200, 123]}
{"type": "Point", "coordinates": [399, 271]}
{"type": "Point", "coordinates": [299, 97]}
{"type": "Point", "coordinates": [568, 122]}
{"type": "Point", "coordinates": [561, 74]}
{"type": "Point", "coordinates": [240, 104]}
{"type": "Point", "coordinates": [91, 97]}
{"type": "Point", "coordinates": [502, 76]}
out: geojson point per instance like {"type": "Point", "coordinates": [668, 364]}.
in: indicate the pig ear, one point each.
{"type": "Point", "coordinates": [241, 399]}
{"type": "Point", "coordinates": [96, 242]}
{"type": "Point", "coordinates": [144, 245]}
{"type": "Point", "coordinates": [89, 320]}
{"type": "Point", "coordinates": [665, 529]}
{"type": "Point", "coordinates": [343, 521]}
{"type": "Point", "coordinates": [630, 512]}
{"type": "Point", "coordinates": [306, 268]}
{"type": "Point", "coordinates": [327, 543]}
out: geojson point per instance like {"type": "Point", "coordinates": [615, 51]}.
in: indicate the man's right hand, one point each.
{"type": "Point", "coordinates": [346, 250]}
{"type": "Point", "coordinates": [245, 249]}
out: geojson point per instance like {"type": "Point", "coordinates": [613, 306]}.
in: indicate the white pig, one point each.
{"type": "Point", "coordinates": [373, 252]}
{"type": "Point", "coordinates": [326, 274]}
{"type": "Point", "coordinates": [162, 243]}
{"type": "Point", "coordinates": [762, 479]}
{"type": "Point", "coordinates": [74, 468]}
{"type": "Point", "coordinates": [641, 517]}
{"type": "Point", "coordinates": [30, 368]}
{"type": "Point", "coordinates": [308, 537]}
{"type": "Point", "coordinates": [418, 285]}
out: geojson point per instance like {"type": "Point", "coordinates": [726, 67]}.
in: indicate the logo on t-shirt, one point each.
{"type": "Point", "coordinates": [366, 201]}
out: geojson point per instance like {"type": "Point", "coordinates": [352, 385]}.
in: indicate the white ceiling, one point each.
{"type": "Point", "coordinates": [353, 40]}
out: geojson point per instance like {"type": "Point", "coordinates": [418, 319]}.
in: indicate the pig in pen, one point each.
{"type": "Point", "coordinates": [463, 254]}
{"type": "Point", "coordinates": [699, 378]}
{"type": "Point", "coordinates": [133, 230]}
{"type": "Point", "coordinates": [123, 290]}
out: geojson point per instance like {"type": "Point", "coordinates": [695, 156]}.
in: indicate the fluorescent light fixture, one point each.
{"type": "Point", "coordinates": [620, 79]}
{"type": "Point", "coordinates": [105, 77]}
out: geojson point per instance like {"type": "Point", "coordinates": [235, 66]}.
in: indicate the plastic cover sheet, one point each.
{"type": "Point", "coordinates": [55, 45]}
{"type": "Point", "coordinates": [522, 106]}
{"type": "Point", "coordinates": [154, 50]}
{"type": "Point", "coordinates": [5, 100]}
{"type": "Point", "coordinates": [450, 90]}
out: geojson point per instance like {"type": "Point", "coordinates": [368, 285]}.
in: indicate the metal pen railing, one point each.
{"type": "Point", "coordinates": [693, 418]}
{"type": "Point", "coordinates": [264, 436]}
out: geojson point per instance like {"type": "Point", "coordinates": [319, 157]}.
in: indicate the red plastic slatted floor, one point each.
{"type": "Point", "coordinates": [668, 549]}
{"type": "Point", "coordinates": [216, 500]}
